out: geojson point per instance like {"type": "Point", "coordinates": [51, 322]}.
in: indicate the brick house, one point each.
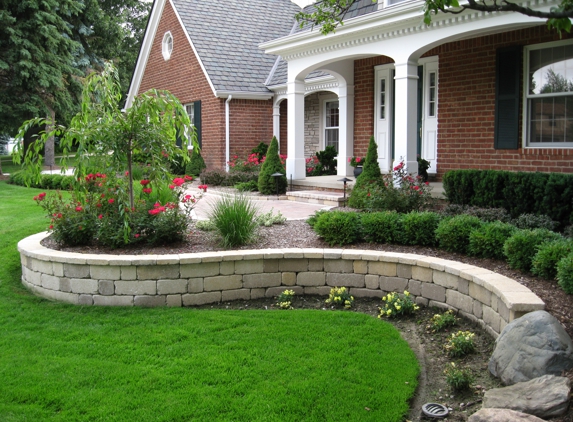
{"type": "Point", "coordinates": [476, 90]}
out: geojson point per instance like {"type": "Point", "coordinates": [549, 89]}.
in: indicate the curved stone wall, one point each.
{"type": "Point", "coordinates": [483, 296]}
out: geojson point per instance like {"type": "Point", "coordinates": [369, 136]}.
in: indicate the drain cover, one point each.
{"type": "Point", "coordinates": [435, 410]}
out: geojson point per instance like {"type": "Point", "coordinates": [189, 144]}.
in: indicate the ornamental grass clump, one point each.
{"type": "Point", "coordinates": [440, 322]}
{"type": "Point", "coordinates": [339, 296]}
{"type": "Point", "coordinates": [397, 305]}
{"type": "Point", "coordinates": [458, 379]}
{"type": "Point", "coordinates": [234, 218]}
{"type": "Point", "coordinates": [460, 344]}
{"type": "Point", "coordinates": [284, 300]}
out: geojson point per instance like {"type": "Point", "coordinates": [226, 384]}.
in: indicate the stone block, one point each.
{"type": "Point", "coordinates": [106, 287]}
{"type": "Point", "coordinates": [494, 302]}
{"type": "Point", "coordinates": [271, 265]}
{"type": "Point", "coordinates": [422, 274]}
{"type": "Point", "coordinates": [422, 301]}
{"type": "Point", "coordinates": [170, 287]}
{"type": "Point", "coordinates": [227, 268]}
{"type": "Point", "coordinates": [459, 301]}
{"type": "Point", "coordinates": [440, 305]}
{"type": "Point", "coordinates": [239, 294]}
{"type": "Point", "coordinates": [254, 266]}
{"type": "Point", "coordinates": [173, 301]}
{"type": "Point", "coordinates": [433, 292]}
{"type": "Point", "coordinates": [388, 269]}
{"type": "Point", "coordinates": [447, 280]}
{"type": "Point", "coordinates": [372, 282]}
{"type": "Point", "coordinates": [32, 277]}
{"type": "Point", "coordinates": [288, 279]}
{"type": "Point", "coordinates": [201, 298]}
{"type": "Point", "coordinates": [315, 264]}
{"type": "Point", "coordinates": [393, 284]}
{"type": "Point", "coordinates": [276, 291]}
{"type": "Point", "coordinates": [206, 269]}
{"type": "Point", "coordinates": [65, 285]}
{"type": "Point", "coordinates": [463, 286]}
{"type": "Point", "coordinates": [76, 271]}
{"type": "Point", "coordinates": [338, 266]}
{"type": "Point", "coordinates": [357, 292]}
{"type": "Point", "coordinates": [195, 285]}
{"type": "Point", "coordinates": [223, 282]}
{"type": "Point", "coordinates": [139, 287]}
{"type": "Point", "coordinates": [58, 268]}
{"type": "Point", "coordinates": [294, 264]}
{"type": "Point", "coordinates": [311, 279]}
{"type": "Point", "coordinates": [257, 293]}
{"type": "Point", "coordinates": [251, 281]}
{"type": "Point", "coordinates": [491, 318]}
{"type": "Point", "coordinates": [113, 300]}
{"type": "Point", "coordinates": [44, 267]}
{"type": "Point", "coordinates": [84, 285]}
{"type": "Point", "coordinates": [404, 271]}
{"type": "Point", "coordinates": [149, 301]}
{"type": "Point", "coordinates": [129, 273]}
{"type": "Point", "coordinates": [346, 280]}
{"type": "Point", "coordinates": [360, 267]}
{"type": "Point", "coordinates": [156, 272]}
{"type": "Point", "coordinates": [415, 287]}
{"type": "Point", "coordinates": [502, 310]}
{"type": "Point", "coordinates": [57, 295]}
{"type": "Point", "coordinates": [85, 300]}
{"type": "Point", "coordinates": [480, 293]}
{"type": "Point", "coordinates": [50, 282]}
{"type": "Point", "coordinates": [320, 290]}
{"type": "Point", "coordinates": [105, 272]}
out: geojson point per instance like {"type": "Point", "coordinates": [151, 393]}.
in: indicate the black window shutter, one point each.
{"type": "Point", "coordinates": [197, 110]}
{"type": "Point", "coordinates": [508, 67]}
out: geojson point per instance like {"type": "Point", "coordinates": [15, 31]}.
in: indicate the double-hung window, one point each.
{"type": "Point", "coordinates": [549, 95]}
{"type": "Point", "coordinates": [331, 124]}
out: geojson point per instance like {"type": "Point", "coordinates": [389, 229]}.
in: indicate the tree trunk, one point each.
{"type": "Point", "coordinates": [49, 156]}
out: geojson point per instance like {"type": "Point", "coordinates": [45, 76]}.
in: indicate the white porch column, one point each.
{"type": "Point", "coordinates": [277, 122]}
{"type": "Point", "coordinates": [295, 164]}
{"type": "Point", "coordinates": [345, 129]}
{"type": "Point", "coordinates": [406, 114]}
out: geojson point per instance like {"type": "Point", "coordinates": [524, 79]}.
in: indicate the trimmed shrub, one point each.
{"type": "Point", "coordinates": [370, 175]}
{"type": "Point", "coordinates": [250, 186]}
{"type": "Point", "coordinates": [488, 240]}
{"type": "Point", "coordinates": [453, 234]}
{"type": "Point", "coordinates": [520, 248]}
{"type": "Point", "coordinates": [420, 228]}
{"type": "Point", "coordinates": [532, 221]}
{"type": "Point", "coordinates": [338, 227]}
{"type": "Point", "coordinates": [565, 273]}
{"type": "Point", "coordinates": [196, 164]}
{"type": "Point", "coordinates": [382, 227]}
{"type": "Point", "coordinates": [234, 218]}
{"type": "Point", "coordinates": [484, 214]}
{"type": "Point", "coordinates": [272, 165]}
{"type": "Point", "coordinates": [544, 263]}
{"type": "Point", "coordinates": [314, 217]}
{"type": "Point", "coordinates": [213, 177]}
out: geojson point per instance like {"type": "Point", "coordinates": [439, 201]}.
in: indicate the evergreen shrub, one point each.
{"type": "Point", "coordinates": [420, 228]}
{"type": "Point", "coordinates": [565, 273]}
{"type": "Point", "coordinates": [338, 227]}
{"type": "Point", "coordinates": [544, 263]}
{"type": "Point", "coordinates": [522, 246]}
{"type": "Point", "coordinates": [487, 241]}
{"type": "Point", "coordinates": [382, 227]}
{"type": "Point", "coordinates": [196, 164]}
{"type": "Point", "coordinates": [453, 234]}
{"type": "Point", "coordinates": [272, 165]}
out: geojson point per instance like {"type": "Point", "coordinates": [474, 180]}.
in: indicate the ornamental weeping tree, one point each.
{"type": "Point", "coordinates": [107, 137]}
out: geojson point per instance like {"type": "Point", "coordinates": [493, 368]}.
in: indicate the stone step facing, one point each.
{"type": "Point", "coordinates": [334, 199]}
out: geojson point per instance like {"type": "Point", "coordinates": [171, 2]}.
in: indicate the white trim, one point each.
{"type": "Point", "coordinates": [166, 47]}
{"type": "Point", "coordinates": [526, 144]}
{"type": "Point", "coordinates": [322, 100]}
{"type": "Point", "coordinates": [242, 95]}
{"type": "Point", "coordinates": [152, 25]}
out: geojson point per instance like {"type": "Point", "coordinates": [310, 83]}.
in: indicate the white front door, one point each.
{"type": "Point", "coordinates": [383, 115]}
{"type": "Point", "coordinates": [430, 113]}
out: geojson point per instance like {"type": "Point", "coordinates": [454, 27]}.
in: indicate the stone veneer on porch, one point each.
{"type": "Point", "coordinates": [488, 298]}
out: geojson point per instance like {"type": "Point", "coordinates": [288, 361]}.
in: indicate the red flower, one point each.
{"type": "Point", "coordinates": [145, 182]}
{"type": "Point", "coordinates": [136, 235]}
{"type": "Point", "coordinates": [98, 205]}
{"type": "Point", "coordinates": [427, 183]}
{"type": "Point", "coordinates": [127, 173]}
{"type": "Point", "coordinates": [154, 211]}
{"type": "Point", "coordinates": [156, 205]}
{"type": "Point", "coordinates": [147, 190]}
{"type": "Point", "coordinates": [188, 178]}
{"type": "Point", "coordinates": [171, 187]}
{"type": "Point", "coordinates": [42, 195]}
{"type": "Point", "coordinates": [178, 181]}
{"type": "Point", "coordinates": [59, 215]}
{"type": "Point", "coordinates": [51, 226]}
{"type": "Point", "coordinates": [416, 187]}
{"type": "Point", "coordinates": [100, 216]}
{"type": "Point", "coordinates": [368, 194]}
{"type": "Point", "coordinates": [110, 201]}
{"type": "Point", "coordinates": [79, 208]}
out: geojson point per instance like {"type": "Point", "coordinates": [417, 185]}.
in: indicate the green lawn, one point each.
{"type": "Point", "coordinates": [8, 165]}
{"type": "Point", "coordinates": [69, 363]}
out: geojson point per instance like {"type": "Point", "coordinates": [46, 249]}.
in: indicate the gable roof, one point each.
{"type": "Point", "coordinates": [226, 35]}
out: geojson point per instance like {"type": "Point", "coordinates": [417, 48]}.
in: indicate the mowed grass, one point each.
{"type": "Point", "coordinates": [68, 363]}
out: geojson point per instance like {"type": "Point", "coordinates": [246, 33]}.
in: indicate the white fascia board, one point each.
{"type": "Point", "coordinates": [243, 95]}
{"type": "Point", "coordinates": [402, 16]}
{"type": "Point", "coordinates": [194, 49]}
{"type": "Point", "coordinates": [145, 50]}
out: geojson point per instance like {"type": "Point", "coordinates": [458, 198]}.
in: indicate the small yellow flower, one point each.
{"type": "Point", "coordinates": [398, 307]}
{"type": "Point", "coordinates": [406, 293]}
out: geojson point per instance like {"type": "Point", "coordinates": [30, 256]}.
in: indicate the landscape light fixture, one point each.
{"type": "Point", "coordinates": [276, 176]}
{"type": "Point", "coordinates": [345, 180]}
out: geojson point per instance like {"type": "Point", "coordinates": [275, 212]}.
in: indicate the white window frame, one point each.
{"type": "Point", "coordinates": [167, 45]}
{"type": "Point", "coordinates": [527, 97]}
{"type": "Point", "coordinates": [324, 99]}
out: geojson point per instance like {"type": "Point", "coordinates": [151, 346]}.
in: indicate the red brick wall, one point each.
{"type": "Point", "coordinates": [364, 101]}
{"type": "Point", "coordinates": [251, 121]}
{"type": "Point", "coordinates": [466, 106]}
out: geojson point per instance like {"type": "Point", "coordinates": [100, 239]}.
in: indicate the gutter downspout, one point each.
{"type": "Point", "coordinates": [227, 140]}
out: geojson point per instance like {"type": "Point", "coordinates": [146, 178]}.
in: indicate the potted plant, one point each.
{"type": "Point", "coordinates": [423, 166]}
{"type": "Point", "coordinates": [356, 162]}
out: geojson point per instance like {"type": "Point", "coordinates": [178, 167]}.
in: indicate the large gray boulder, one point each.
{"type": "Point", "coordinates": [545, 397]}
{"type": "Point", "coordinates": [502, 415]}
{"type": "Point", "coordinates": [531, 346]}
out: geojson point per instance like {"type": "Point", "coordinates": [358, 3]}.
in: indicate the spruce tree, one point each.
{"type": "Point", "coordinates": [370, 176]}
{"type": "Point", "coordinates": [272, 165]}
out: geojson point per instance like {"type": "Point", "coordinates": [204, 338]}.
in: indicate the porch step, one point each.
{"type": "Point", "coordinates": [334, 199]}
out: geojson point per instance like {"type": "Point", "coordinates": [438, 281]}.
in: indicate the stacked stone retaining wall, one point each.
{"type": "Point", "coordinates": [488, 298]}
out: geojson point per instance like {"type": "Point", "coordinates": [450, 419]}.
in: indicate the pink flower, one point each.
{"type": "Point", "coordinates": [357, 159]}
{"type": "Point", "coordinates": [42, 195]}
{"type": "Point", "coordinates": [188, 178]}
{"type": "Point", "coordinates": [427, 183]}
{"type": "Point", "coordinates": [145, 182]}
{"type": "Point", "coordinates": [147, 190]}
{"type": "Point", "coordinates": [416, 187]}
{"type": "Point", "coordinates": [154, 211]}
{"type": "Point", "coordinates": [136, 235]}
{"type": "Point", "coordinates": [171, 187]}
{"type": "Point", "coordinates": [127, 173]}
{"type": "Point", "coordinates": [178, 181]}
{"type": "Point", "coordinates": [110, 201]}
{"type": "Point", "coordinates": [79, 208]}
{"type": "Point", "coordinates": [100, 216]}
